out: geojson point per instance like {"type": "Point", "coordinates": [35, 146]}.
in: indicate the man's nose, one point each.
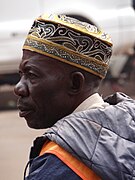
{"type": "Point", "coordinates": [21, 89]}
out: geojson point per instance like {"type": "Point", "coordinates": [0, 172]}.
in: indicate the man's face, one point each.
{"type": "Point", "coordinates": [42, 90]}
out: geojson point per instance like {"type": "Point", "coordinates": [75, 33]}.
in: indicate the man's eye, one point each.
{"type": "Point", "coordinates": [31, 75]}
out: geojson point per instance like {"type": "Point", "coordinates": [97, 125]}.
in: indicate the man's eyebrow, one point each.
{"type": "Point", "coordinates": [27, 67]}
{"type": "Point", "coordinates": [22, 65]}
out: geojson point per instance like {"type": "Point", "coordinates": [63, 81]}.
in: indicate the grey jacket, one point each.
{"type": "Point", "coordinates": [104, 139]}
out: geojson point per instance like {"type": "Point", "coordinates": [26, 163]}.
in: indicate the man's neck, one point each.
{"type": "Point", "coordinates": [93, 101]}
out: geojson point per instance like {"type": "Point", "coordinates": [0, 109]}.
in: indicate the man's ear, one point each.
{"type": "Point", "coordinates": [77, 82]}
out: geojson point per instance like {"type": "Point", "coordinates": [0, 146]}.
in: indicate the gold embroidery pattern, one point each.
{"type": "Point", "coordinates": [70, 46]}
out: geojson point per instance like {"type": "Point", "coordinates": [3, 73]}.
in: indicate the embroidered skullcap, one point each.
{"type": "Point", "coordinates": [71, 41]}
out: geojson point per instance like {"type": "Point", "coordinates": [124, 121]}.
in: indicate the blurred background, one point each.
{"type": "Point", "coordinates": [116, 17]}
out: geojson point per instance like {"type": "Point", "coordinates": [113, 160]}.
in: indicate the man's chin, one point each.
{"type": "Point", "coordinates": [34, 125]}
{"type": "Point", "coordinates": [34, 121]}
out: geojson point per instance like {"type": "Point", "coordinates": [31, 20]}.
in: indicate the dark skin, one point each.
{"type": "Point", "coordinates": [49, 90]}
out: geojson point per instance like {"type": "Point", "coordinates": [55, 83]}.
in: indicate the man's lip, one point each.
{"type": "Point", "coordinates": [23, 111]}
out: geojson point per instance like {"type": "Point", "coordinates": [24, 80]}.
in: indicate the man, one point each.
{"type": "Point", "coordinates": [63, 63]}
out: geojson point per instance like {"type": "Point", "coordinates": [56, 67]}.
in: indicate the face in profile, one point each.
{"type": "Point", "coordinates": [42, 90]}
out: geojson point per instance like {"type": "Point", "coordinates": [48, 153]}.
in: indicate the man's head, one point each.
{"type": "Point", "coordinates": [63, 63]}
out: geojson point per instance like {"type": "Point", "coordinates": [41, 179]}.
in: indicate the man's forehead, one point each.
{"type": "Point", "coordinates": [31, 58]}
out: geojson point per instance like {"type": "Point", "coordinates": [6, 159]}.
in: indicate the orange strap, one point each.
{"type": "Point", "coordinates": [77, 166]}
